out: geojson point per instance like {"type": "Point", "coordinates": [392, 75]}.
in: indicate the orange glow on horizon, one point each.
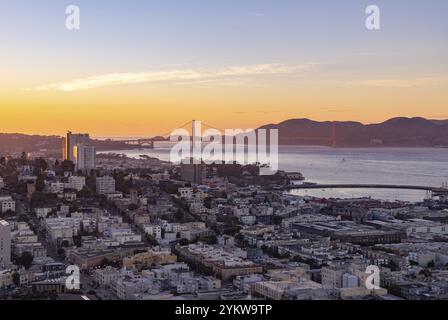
{"type": "Point", "coordinates": [131, 111]}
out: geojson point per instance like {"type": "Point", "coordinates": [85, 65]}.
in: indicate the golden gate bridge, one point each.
{"type": "Point", "coordinates": [149, 142]}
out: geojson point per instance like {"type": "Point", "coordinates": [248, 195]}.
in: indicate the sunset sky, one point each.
{"type": "Point", "coordinates": [144, 67]}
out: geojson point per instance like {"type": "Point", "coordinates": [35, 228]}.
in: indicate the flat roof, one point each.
{"type": "Point", "coordinates": [4, 223]}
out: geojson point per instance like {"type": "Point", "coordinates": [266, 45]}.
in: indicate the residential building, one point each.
{"type": "Point", "coordinates": [106, 275]}
{"type": "Point", "coordinates": [105, 185]}
{"type": "Point", "coordinates": [56, 187]}
{"type": "Point", "coordinates": [223, 264]}
{"type": "Point", "coordinates": [85, 157]}
{"type": "Point", "coordinates": [69, 143]}
{"type": "Point", "coordinates": [349, 281]}
{"type": "Point", "coordinates": [7, 204]}
{"type": "Point", "coordinates": [76, 183]}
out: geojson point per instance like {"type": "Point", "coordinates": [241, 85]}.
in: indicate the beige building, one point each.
{"type": "Point", "coordinates": [6, 278]}
{"type": "Point", "coordinates": [149, 258]}
{"type": "Point", "coordinates": [224, 264]}
{"type": "Point", "coordinates": [274, 290]}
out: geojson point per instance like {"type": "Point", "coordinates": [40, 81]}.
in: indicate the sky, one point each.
{"type": "Point", "coordinates": [145, 67]}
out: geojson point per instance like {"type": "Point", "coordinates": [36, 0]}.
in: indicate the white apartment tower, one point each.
{"type": "Point", "coordinates": [84, 157]}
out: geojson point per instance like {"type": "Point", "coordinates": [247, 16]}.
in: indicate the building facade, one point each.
{"type": "Point", "coordinates": [85, 157]}
{"type": "Point", "coordinates": [5, 244]}
{"type": "Point", "coordinates": [69, 143]}
{"type": "Point", "coordinates": [105, 185]}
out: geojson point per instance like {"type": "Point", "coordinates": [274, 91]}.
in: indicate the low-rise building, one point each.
{"type": "Point", "coordinates": [105, 185]}
{"type": "Point", "coordinates": [76, 183]}
{"type": "Point", "coordinates": [7, 204]}
{"type": "Point", "coordinates": [224, 264]}
{"type": "Point", "coordinates": [62, 229]}
{"type": "Point", "coordinates": [149, 258]}
{"type": "Point", "coordinates": [106, 276]}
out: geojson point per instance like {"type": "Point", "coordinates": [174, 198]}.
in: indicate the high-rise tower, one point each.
{"type": "Point", "coordinates": [71, 141]}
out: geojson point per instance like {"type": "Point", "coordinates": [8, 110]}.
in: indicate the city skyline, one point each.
{"type": "Point", "coordinates": [227, 157]}
{"type": "Point", "coordinates": [140, 69]}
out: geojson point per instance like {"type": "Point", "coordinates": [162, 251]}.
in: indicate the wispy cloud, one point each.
{"type": "Point", "coordinates": [257, 112]}
{"type": "Point", "coordinates": [404, 83]}
{"type": "Point", "coordinates": [179, 75]}
{"type": "Point", "coordinates": [257, 14]}
{"type": "Point", "coordinates": [336, 109]}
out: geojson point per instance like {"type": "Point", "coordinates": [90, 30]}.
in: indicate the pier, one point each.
{"type": "Point", "coordinates": [435, 191]}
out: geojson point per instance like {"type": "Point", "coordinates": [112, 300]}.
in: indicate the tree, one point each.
{"type": "Point", "coordinates": [208, 202]}
{"type": "Point", "coordinates": [121, 183]}
{"type": "Point", "coordinates": [426, 272]}
{"type": "Point", "coordinates": [40, 183]}
{"type": "Point", "coordinates": [91, 181]}
{"type": "Point", "coordinates": [61, 253]}
{"type": "Point", "coordinates": [393, 265]}
{"type": "Point", "coordinates": [16, 279]}
{"type": "Point", "coordinates": [77, 241]}
{"type": "Point", "coordinates": [183, 242]}
{"type": "Point", "coordinates": [179, 215]}
{"type": "Point", "coordinates": [23, 218]}
{"type": "Point", "coordinates": [26, 260]}
{"type": "Point", "coordinates": [84, 193]}
{"type": "Point", "coordinates": [40, 165]}
{"type": "Point", "coordinates": [210, 239]}
{"type": "Point", "coordinates": [65, 244]}
{"type": "Point", "coordinates": [39, 198]}
{"type": "Point", "coordinates": [151, 240]}
{"type": "Point", "coordinates": [23, 158]}
{"type": "Point", "coordinates": [68, 166]}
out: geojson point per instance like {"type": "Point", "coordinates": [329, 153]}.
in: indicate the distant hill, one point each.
{"type": "Point", "coordinates": [17, 143]}
{"type": "Point", "coordinates": [396, 132]}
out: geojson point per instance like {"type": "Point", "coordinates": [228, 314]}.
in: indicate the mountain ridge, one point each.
{"type": "Point", "coordinates": [394, 132]}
